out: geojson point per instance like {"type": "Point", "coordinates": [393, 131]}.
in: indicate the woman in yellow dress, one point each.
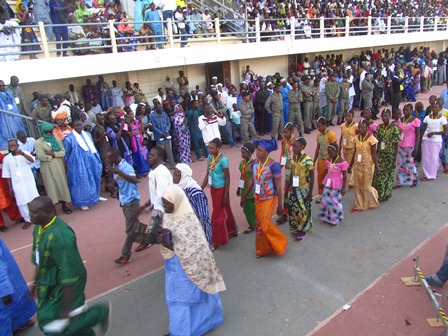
{"type": "Point", "coordinates": [324, 138]}
{"type": "Point", "coordinates": [349, 131]}
{"type": "Point", "coordinates": [364, 164]}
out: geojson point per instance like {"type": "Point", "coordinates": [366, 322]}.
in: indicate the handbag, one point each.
{"type": "Point", "coordinates": [139, 232]}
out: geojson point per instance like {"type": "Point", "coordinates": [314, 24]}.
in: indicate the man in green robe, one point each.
{"type": "Point", "coordinates": [61, 276]}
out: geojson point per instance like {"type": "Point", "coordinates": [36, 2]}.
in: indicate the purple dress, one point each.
{"type": "Point", "coordinates": [182, 137]}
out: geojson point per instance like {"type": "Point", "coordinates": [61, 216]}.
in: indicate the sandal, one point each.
{"type": "Point", "coordinates": [247, 231]}
{"type": "Point", "coordinates": [26, 226]}
{"type": "Point", "coordinates": [354, 210]}
{"type": "Point", "coordinates": [66, 210]}
{"type": "Point", "coordinates": [282, 219]}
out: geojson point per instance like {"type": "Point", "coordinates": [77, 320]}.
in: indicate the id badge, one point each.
{"type": "Point", "coordinates": [359, 157]}
{"type": "Point", "coordinates": [283, 161]}
{"type": "Point", "coordinates": [36, 253]}
{"type": "Point", "coordinates": [19, 173]}
{"type": "Point", "coordinates": [383, 145]}
{"type": "Point", "coordinates": [257, 189]}
{"type": "Point", "coordinates": [241, 184]}
{"type": "Point", "coordinates": [295, 181]}
{"type": "Point", "coordinates": [328, 184]}
{"type": "Point", "coordinates": [209, 180]}
{"type": "Point", "coordinates": [17, 100]}
{"type": "Point", "coordinates": [344, 141]}
{"type": "Point", "coordinates": [9, 106]}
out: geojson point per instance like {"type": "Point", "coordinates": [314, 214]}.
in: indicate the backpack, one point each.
{"type": "Point", "coordinates": [75, 112]}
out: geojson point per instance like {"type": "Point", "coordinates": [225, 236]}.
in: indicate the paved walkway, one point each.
{"type": "Point", "coordinates": [289, 295]}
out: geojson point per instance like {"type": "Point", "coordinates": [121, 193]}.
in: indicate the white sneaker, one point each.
{"type": "Point", "coordinates": [102, 199]}
{"type": "Point", "coordinates": [85, 208]}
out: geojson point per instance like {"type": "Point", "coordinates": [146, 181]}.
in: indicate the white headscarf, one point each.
{"type": "Point", "coordinates": [190, 244]}
{"type": "Point", "coordinates": [186, 180]}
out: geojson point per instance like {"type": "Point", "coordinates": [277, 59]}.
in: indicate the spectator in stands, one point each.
{"type": "Point", "coordinates": [180, 19]}
{"type": "Point", "coordinates": [26, 18]}
{"type": "Point", "coordinates": [82, 12]}
{"type": "Point", "coordinates": [104, 93]}
{"type": "Point", "coordinates": [147, 36]}
{"type": "Point", "coordinates": [169, 6]}
{"type": "Point", "coordinates": [59, 13]}
{"type": "Point", "coordinates": [116, 95]}
{"type": "Point", "coordinates": [43, 110]}
{"type": "Point", "coordinates": [209, 24]}
{"type": "Point", "coordinates": [153, 16]}
{"type": "Point", "coordinates": [89, 92]}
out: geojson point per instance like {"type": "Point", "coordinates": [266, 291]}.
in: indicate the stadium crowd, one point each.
{"type": "Point", "coordinates": [122, 135]}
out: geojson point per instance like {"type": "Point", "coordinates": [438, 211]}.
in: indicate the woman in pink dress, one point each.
{"type": "Point", "coordinates": [331, 208]}
{"type": "Point", "coordinates": [409, 126]}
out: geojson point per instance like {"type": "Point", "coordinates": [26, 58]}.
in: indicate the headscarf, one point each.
{"type": "Point", "coordinates": [190, 244]}
{"type": "Point", "coordinates": [18, 3]}
{"type": "Point", "coordinates": [268, 145]}
{"type": "Point", "coordinates": [51, 139]}
{"type": "Point", "coordinates": [88, 122]}
{"type": "Point", "coordinates": [186, 180]}
{"type": "Point", "coordinates": [61, 115]}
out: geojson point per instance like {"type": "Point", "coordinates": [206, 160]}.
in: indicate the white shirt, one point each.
{"type": "Point", "coordinates": [434, 125]}
{"type": "Point", "coordinates": [17, 168]}
{"type": "Point", "coordinates": [361, 78]}
{"type": "Point", "coordinates": [30, 147]}
{"type": "Point", "coordinates": [159, 179]}
{"type": "Point", "coordinates": [169, 5]}
{"type": "Point", "coordinates": [210, 128]}
{"type": "Point", "coordinates": [179, 20]}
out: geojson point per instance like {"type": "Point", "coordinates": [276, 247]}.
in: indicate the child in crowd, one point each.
{"type": "Point", "coordinates": [349, 131]}
{"type": "Point", "coordinates": [331, 208]}
{"type": "Point", "coordinates": [371, 126]}
{"type": "Point", "coordinates": [236, 123]}
{"type": "Point", "coordinates": [324, 138]}
{"type": "Point", "coordinates": [246, 174]}
{"type": "Point", "coordinates": [285, 161]}
{"type": "Point", "coordinates": [299, 186]}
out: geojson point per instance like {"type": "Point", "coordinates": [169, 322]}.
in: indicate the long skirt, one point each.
{"type": "Point", "coordinates": [366, 196]}
{"type": "Point", "coordinates": [223, 222]}
{"type": "Point", "coordinates": [430, 158]}
{"type": "Point", "coordinates": [331, 208]}
{"type": "Point", "coordinates": [268, 238]}
{"type": "Point", "coordinates": [191, 311]}
{"type": "Point", "coordinates": [321, 172]}
{"type": "Point", "coordinates": [249, 212]}
{"type": "Point", "coordinates": [286, 198]}
{"type": "Point", "coordinates": [406, 171]}
{"type": "Point", "coordinates": [348, 155]}
{"type": "Point", "coordinates": [384, 182]}
{"type": "Point", "coordinates": [140, 161]}
{"type": "Point", "coordinates": [299, 210]}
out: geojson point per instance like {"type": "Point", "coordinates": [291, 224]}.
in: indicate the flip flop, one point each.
{"type": "Point", "coordinates": [354, 210]}
{"type": "Point", "coordinates": [247, 231]}
{"type": "Point", "coordinates": [26, 225]}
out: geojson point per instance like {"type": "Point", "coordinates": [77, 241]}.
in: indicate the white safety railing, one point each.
{"type": "Point", "coordinates": [107, 37]}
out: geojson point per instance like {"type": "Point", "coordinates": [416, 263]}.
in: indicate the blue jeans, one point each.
{"type": "Point", "coordinates": [198, 143]}
{"type": "Point", "coordinates": [226, 133]}
{"type": "Point", "coordinates": [183, 37]}
{"type": "Point", "coordinates": [168, 14]}
{"type": "Point", "coordinates": [442, 154]}
{"type": "Point", "coordinates": [442, 275]}
{"type": "Point", "coordinates": [61, 34]}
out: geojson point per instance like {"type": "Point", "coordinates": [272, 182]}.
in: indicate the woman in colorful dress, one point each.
{"type": "Point", "coordinates": [364, 165]}
{"type": "Point", "coordinates": [246, 174]}
{"type": "Point", "coordinates": [331, 208]}
{"type": "Point", "coordinates": [433, 131]}
{"type": "Point", "coordinates": [324, 138]}
{"type": "Point", "coordinates": [181, 134]}
{"type": "Point", "coordinates": [218, 179]}
{"type": "Point", "coordinates": [407, 149]}
{"type": "Point", "coordinates": [388, 136]}
{"type": "Point", "coordinates": [300, 188]}
{"type": "Point", "coordinates": [26, 18]}
{"type": "Point", "coordinates": [349, 131]}
{"type": "Point", "coordinates": [139, 150]}
{"type": "Point", "coordinates": [285, 161]}
{"type": "Point", "coordinates": [192, 278]}
{"type": "Point", "coordinates": [265, 181]}
{"type": "Point", "coordinates": [129, 94]}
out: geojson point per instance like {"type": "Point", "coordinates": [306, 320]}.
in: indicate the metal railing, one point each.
{"type": "Point", "coordinates": [106, 36]}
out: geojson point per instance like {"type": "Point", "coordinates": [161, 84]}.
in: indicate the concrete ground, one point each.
{"type": "Point", "coordinates": [299, 293]}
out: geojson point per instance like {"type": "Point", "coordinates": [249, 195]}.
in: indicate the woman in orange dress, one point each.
{"type": "Point", "coordinates": [267, 188]}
